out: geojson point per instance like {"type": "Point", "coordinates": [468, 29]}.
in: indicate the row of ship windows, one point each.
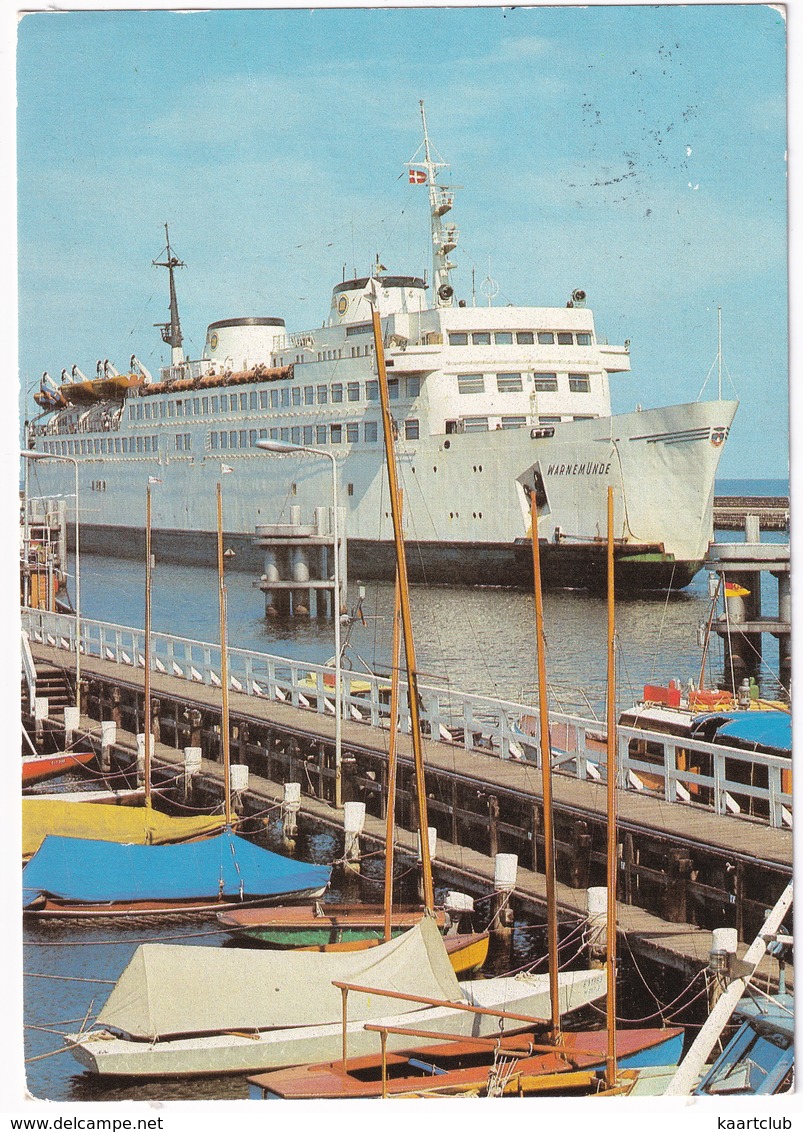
{"type": "Point", "coordinates": [521, 337]}
{"type": "Point", "coordinates": [327, 355]}
{"type": "Point", "coordinates": [514, 383]}
{"type": "Point", "coordinates": [481, 424]}
{"type": "Point", "coordinates": [279, 398]}
{"type": "Point", "coordinates": [348, 433]}
{"type": "Point", "coordinates": [233, 438]}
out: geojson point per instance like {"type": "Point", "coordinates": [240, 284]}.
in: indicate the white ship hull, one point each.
{"type": "Point", "coordinates": [466, 513]}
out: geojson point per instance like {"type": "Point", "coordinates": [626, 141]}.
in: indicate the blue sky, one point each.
{"type": "Point", "coordinates": [636, 152]}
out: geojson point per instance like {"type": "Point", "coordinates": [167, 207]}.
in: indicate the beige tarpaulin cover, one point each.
{"type": "Point", "coordinates": [129, 825]}
{"type": "Point", "coordinates": [171, 989]}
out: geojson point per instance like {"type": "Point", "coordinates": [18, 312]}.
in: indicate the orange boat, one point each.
{"type": "Point", "coordinates": [514, 1064]}
{"type": "Point", "coordinates": [37, 768]}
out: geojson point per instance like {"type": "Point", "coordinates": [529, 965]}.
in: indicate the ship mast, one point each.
{"type": "Point", "coordinates": [171, 331]}
{"type": "Point", "coordinates": [444, 236]}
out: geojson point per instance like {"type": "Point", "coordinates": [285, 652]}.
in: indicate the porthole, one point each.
{"type": "Point", "coordinates": [447, 444]}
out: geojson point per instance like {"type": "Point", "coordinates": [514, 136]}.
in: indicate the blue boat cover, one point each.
{"type": "Point", "coordinates": [102, 872]}
{"type": "Point", "coordinates": [771, 730]}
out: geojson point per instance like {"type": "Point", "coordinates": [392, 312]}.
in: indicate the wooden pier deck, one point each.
{"type": "Point", "coordinates": [693, 832]}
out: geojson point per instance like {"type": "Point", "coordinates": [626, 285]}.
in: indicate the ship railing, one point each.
{"type": "Point", "coordinates": [720, 779]}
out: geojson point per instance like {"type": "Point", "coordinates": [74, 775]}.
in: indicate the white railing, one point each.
{"type": "Point", "coordinates": [678, 770]}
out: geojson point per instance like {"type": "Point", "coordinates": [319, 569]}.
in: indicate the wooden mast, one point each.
{"type": "Point", "coordinates": [404, 596]}
{"type": "Point", "coordinates": [224, 663]}
{"type": "Point", "coordinates": [610, 957]}
{"type": "Point", "coordinates": [546, 776]}
{"type": "Point", "coordinates": [390, 817]}
{"type": "Point", "coordinates": [147, 762]}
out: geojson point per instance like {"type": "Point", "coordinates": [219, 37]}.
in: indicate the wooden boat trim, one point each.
{"type": "Point", "coordinates": [346, 987]}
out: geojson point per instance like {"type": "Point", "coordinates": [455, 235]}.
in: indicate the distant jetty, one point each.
{"type": "Point", "coordinates": [772, 511]}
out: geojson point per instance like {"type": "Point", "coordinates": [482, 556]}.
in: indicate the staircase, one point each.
{"type": "Point", "coordinates": [53, 685]}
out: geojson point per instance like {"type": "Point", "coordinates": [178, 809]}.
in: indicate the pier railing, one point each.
{"type": "Point", "coordinates": [679, 770]}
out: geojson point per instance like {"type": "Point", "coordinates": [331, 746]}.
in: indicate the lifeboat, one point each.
{"type": "Point", "coordinates": [101, 388]}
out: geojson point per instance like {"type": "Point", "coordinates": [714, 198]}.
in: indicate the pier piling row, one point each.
{"type": "Point", "coordinates": [679, 865]}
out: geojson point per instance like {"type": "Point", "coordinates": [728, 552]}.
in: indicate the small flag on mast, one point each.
{"type": "Point", "coordinates": [733, 589]}
{"type": "Point", "coordinates": [154, 479]}
{"type": "Point", "coordinates": [418, 177]}
{"type": "Point", "coordinates": [225, 469]}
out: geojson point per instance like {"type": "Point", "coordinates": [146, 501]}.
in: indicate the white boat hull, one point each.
{"type": "Point", "coordinates": [107, 1055]}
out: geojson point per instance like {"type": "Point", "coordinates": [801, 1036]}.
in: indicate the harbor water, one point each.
{"type": "Point", "coordinates": [478, 640]}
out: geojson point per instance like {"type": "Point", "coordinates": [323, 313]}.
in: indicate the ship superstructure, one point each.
{"type": "Point", "coordinates": [490, 403]}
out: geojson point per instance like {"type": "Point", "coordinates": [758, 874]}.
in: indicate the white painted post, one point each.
{"type": "Point", "coordinates": [72, 718]}
{"type": "Point", "coordinates": [291, 804]}
{"type": "Point", "coordinates": [597, 913]}
{"type": "Point", "coordinates": [353, 822]}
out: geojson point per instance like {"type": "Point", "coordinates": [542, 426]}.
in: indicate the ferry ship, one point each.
{"type": "Point", "coordinates": [490, 403]}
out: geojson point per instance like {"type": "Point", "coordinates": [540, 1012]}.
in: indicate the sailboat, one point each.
{"type": "Point", "coordinates": [524, 1063]}
{"type": "Point", "coordinates": [81, 877]}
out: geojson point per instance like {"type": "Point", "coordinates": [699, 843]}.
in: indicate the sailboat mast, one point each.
{"type": "Point", "coordinates": [390, 817]}
{"type": "Point", "coordinates": [546, 775]}
{"type": "Point", "coordinates": [610, 958]}
{"type": "Point", "coordinates": [404, 598]}
{"type": "Point", "coordinates": [148, 558]}
{"type": "Point", "coordinates": [224, 663]}
{"type": "Point", "coordinates": [171, 331]}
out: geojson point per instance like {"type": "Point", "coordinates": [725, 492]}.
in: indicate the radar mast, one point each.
{"type": "Point", "coordinates": [441, 199]}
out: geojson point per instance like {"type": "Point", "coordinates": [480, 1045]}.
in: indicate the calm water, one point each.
{"type": "Point", "coordinates": [479, 640]}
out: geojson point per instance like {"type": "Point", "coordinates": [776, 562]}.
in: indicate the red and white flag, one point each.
{"type": "Point", "coordinates": [225, 469]}
{"type": "Point", "coordinates": [418, 177]}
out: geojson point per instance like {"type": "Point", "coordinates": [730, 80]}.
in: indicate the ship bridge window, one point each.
{"type": "Point", "coordinates": [393, 388]}
{"type": "Point", "coordinates": [295, 395]}
{"type": "Point", "coordinates": [320, 434]}
{"type": "Point", "coordinates": [337, 433]}
{"type": "Point", "coordinates": [274, 398]}
{"type": "Point", "coordinates": [546, 338]}
{"type": "Point", "coordinates": [579, 383]}
{"type": "Point", "coordinates": [481, 338]}
{"type": "Point", "coordinates": [309, 434]}
{"type": "Point", "coordinates": [584, 417]}
{"type": "Point", "coordinates": [509, 382]}
{"type": "Point", "coordinates": [337, 394]}
{"type": "Point", "coordinates": [224, 440]}
{"type": "Point", "coordinates": [295, 434]}
{"type": "Point", "coordinates": [470, 383]}
{"type": "Point", "coordinates": [475, 424]}
{"type": "Point", "coordinates": [309, 395]}
{"type": "Point", "coordinates": [213, 439]}
{"type": "Point", "coordinates": [548, 420]}
{"type": "Point", "coordinates": [411, 430]}
{"type": "Point", "coordinates": [196, 406]}
{"type": "Point", "coordinates": [284, 434]}
{"type": "Point", "coordinates": [323, 394]}
{"type": "Point", "coordinates": [565, 339]}
{"type": "Point", "coordinates": [545, 382]}
{"type": "Point", "coordinates": [243, 438]}
{"type": "Point", "coordinates": [504, 337]}
{"type": "Point", "coordinates": [525, 338]}
{"type": "Point", "coordinates": [352, 433]}
{"type": "Point", "coordinates": [514, 422]}
{"type": "Point", "coordinates": [353, 391]}
{"type": "Point", "coordinates": [583, 338]}
{"type": "Point", "coordinates": [253, 400]}
{"type": "Point", "coordinates": [370, 432]}
{"type": "Point", "coordinates": [179, 408]}
{"type": "Point", "coordinates": [458, 338]}
{"type": "Point", "coordinates": [359, 328]}
{"type": "Point", "coordinates": [413, 386]}
{"type": "Point", "coordinates": [285, 397]}
{"type": "Point", "coordinates": [263, 398]}
{"type": "Point", "coordinates": [243, 400]}
{"type": "Point", "coordinates": [205, 405]}
{"type": "Point", "coordinates": [372, 390]}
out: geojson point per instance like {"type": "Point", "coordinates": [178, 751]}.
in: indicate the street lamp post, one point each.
{"type": "Point", "coordinates": [32, 454]}
{"type": "Point", "coordinates": [280, 447]}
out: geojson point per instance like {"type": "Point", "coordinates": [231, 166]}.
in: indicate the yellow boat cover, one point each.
{"type": "Point", "coordinates": [130, 825]}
